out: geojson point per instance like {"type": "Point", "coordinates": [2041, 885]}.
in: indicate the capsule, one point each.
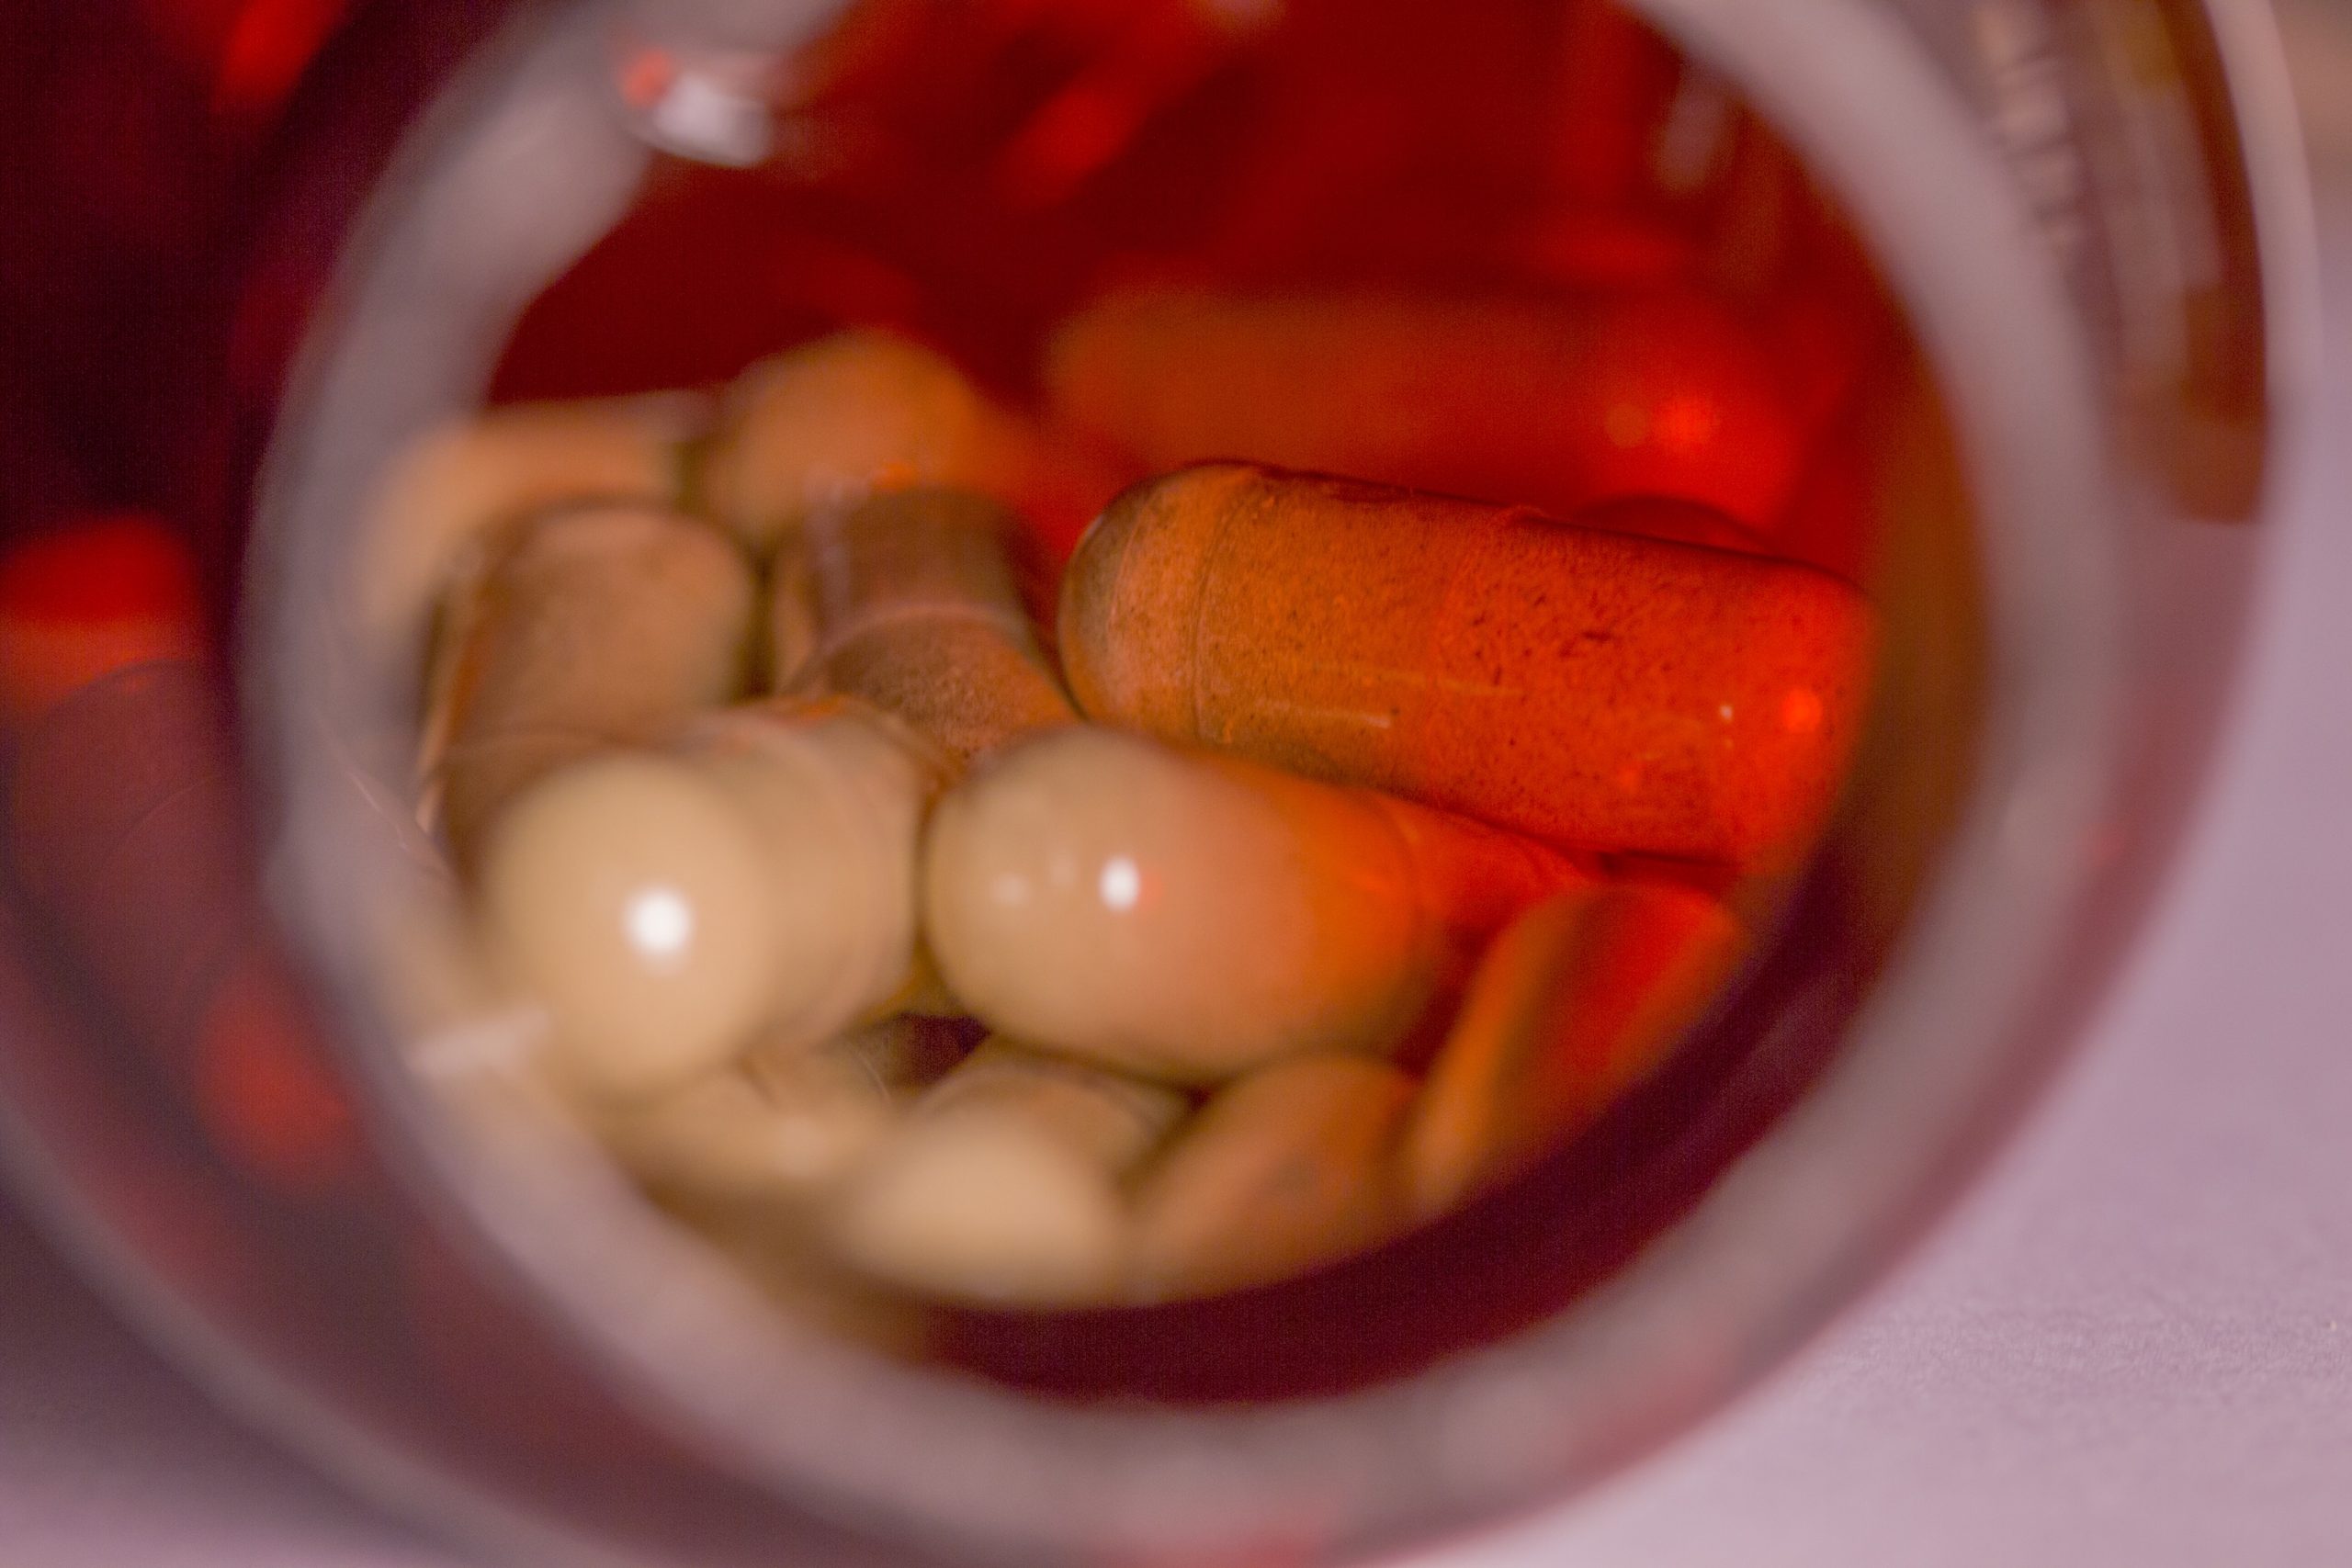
{"type": "Point", "coordinates": [1573, 1002]}
{"type": "Point", "coordinates": [1555, 404]}
{"type": "Point", "coordinates": [597, 628]}
{"type": "Point", "coordinates": [911, 605]}
{"type": "Point", "coordinates": [778, 1127]}
{"type": "Point", "coordinates": [834, 421]}
{"type": "Point", "coordinates": [668, 910]}
{"type": "Point", "coordinates": [1586, 687]}
{"type": "Point", "coordinates": [1004, 1185]}
{"type": "Point", "coordinates": [1283, 1170]}
{"type": "Point", "coordinates": [457, 488]}
{"type": "Point", "coordinates": [1189, 917]}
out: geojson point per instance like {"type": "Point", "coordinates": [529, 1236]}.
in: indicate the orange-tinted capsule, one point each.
{"type": "Point", "coordinates": [1681, 522]}
{"type": "Point", "coordinates": [829, 423]}
{"type": "Point", "coordinates": [596, 628]}
{"type": "Point", "coordinates": [1572, 1003]}
{"type": "Point", "coordinates": [1586, 687]}
{"type": "Point", "coordinates": [1285, 1169]}
{"type": "Point", "coordinates": [1190, 916]}
{"type": "Point", "coordinates": [906, 601]}
{"type": "Point", "coordinates": [832, 422]}
{"type": "Point", "coordinates": [1555, 403]}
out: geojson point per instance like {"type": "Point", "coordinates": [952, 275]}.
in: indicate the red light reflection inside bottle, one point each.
{"type": "Point", "coordinates": [977, 175]}
{"type": "Point", "coordinates": [101, 594]}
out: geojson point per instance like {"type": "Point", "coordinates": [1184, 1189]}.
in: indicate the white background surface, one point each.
{"type": "Point", "coordinates": [2132, 1346]}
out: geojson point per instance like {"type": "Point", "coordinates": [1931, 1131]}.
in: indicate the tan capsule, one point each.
{"type": "Point", "coordinates": [463, 482]}
{"type": "Point", "coordinates": [1114, 1119]}
{"type": "Point", "coordinates": [1283, 1170]}
{"type": "Point", "coordinates": [1576, 1000]}
{"type": "Point", "coordinates": [1189, 916]}
{"type": "Point", "coordinates": [668, 910]}
{"type": "Point", "coordinates": [913, 609]}
{"type": "Point", "coordinates": [832, 422]}
{"type": "Point", "coordinates": [1582, 685]}
{"type": "Point", "coordinates": [1004, 1185]}
{"type": "Point", "coordinates": [597, 628]}
{"type": "Point", "coordinates": [777, 1127]}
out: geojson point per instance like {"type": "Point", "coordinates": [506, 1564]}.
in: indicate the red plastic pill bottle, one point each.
{"type": "Point", "coordinates": [2030, 279]}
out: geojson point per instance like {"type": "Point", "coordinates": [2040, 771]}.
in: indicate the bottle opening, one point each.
{"type": "Point", "coordinates": [1146, 699]}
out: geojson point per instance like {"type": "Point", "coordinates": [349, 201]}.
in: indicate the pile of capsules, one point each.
{"type": "Point", "coordinates": [1295, 877]}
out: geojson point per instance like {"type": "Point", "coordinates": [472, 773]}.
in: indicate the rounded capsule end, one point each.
{"type": "Point", "coordinates": [985, 1208]}
{"type": "Point", "coordinates": [1175, 915]}
{"type": "Point", "coordinates": [628, 897]}
{"type": "Point", "coordinates": [844, 417]}
{"type": "Point", "coordinates": [1131, 599]}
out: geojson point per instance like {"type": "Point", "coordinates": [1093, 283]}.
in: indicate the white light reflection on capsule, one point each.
{"type": "Point", "coordinates": [1121, 883]}
{"type": "Point", "coordinates": [660, 924]}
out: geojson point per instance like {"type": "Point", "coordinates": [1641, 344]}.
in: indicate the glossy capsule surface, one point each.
{"type": "Point", "coordinates": [596, 628]}
{"type": "Point", "coordinates": [1190, 916]}
{"type": "Point", "coordinates": [1587, 686]}
{"type": "Point", "coordinates": [667, 911]}
{"type": "Point", "coordinates": [1556, 403]}
{"type": "Point", "coordinates": [907, 601]}
{"type": "Point", "coordinates": [1572, 1003]}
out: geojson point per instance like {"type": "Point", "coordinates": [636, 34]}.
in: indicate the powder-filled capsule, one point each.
{"type": "Point", "coordinates": [1003, 1186]}
{"type": "Point", "coordinates": [1553, 403]}
{"type": "Point", "coordinates": [460, 484]}
{"type": "Point", "coordinates": [907, 601]}
{"type": "Point", "coordinates": [834, 421]}
{"type": "Point", "coordinates": [669, 910]}
{"type": "Point", "coordinates": [596, 628]}
{"type": "Point", "coordinates": [1589, 687]}
{"type": "Point", "coordinates": [1190, 916]}
{"type": "Point", "coordinates": [1284, 1169]}
{"type": "Point", "coordinates": [1572, 1003]}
